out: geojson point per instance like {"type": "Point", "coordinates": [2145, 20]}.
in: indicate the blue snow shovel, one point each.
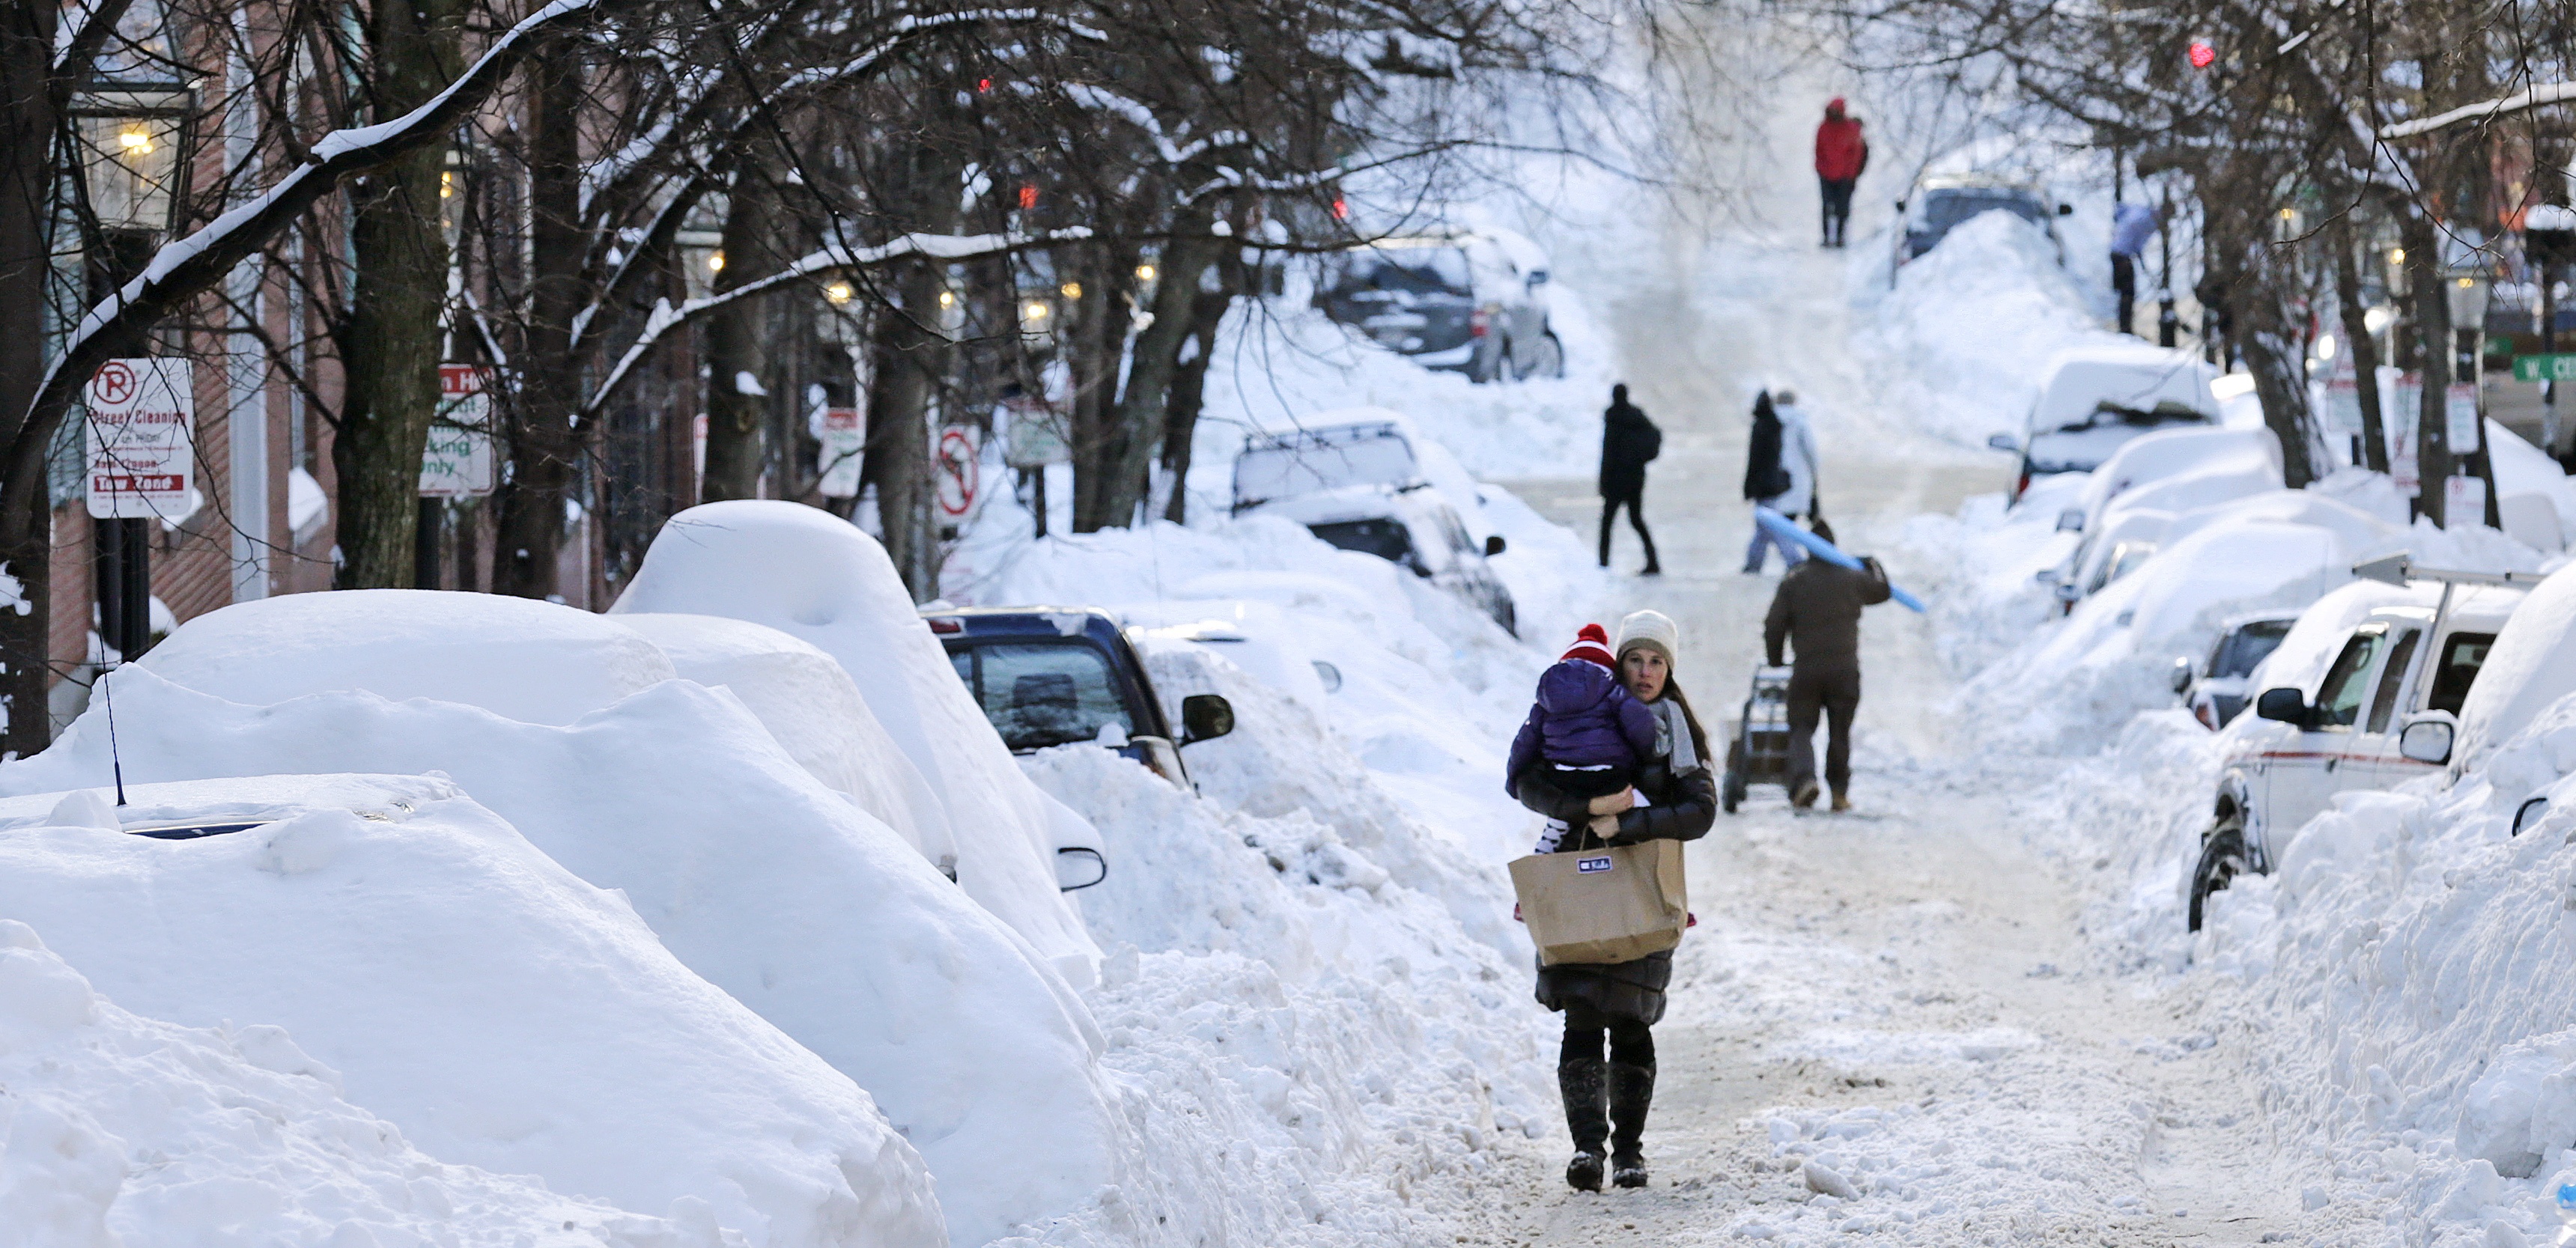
{"type": "Point", "coordinates": [1787, 530]}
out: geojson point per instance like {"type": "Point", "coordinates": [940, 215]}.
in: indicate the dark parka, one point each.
{"type": "Point", "coordinates": [1628, 442]}
{"type": "Point", "coordinates": [1683, 808]}
{"type": "Point", "coordinates": [1763, 476]}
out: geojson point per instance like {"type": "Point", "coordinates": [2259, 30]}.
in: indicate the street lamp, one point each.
{"type": "Point", "coordinates": [131, 139]}
{"type": "Point", "coordinates": [132, 147]}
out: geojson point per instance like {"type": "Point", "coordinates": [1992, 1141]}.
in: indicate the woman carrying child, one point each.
{"type": "Point", "coordinates": [1607, 1101]}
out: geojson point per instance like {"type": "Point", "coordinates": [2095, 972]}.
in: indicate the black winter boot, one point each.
{"type": "Point", "coordinates": [1632, 1090]}
{"type": "Point", "coordinates": [1584, 1085]}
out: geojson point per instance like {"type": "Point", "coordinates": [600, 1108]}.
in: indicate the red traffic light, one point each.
{"type": "Point", "coordinates": [2202, 55]}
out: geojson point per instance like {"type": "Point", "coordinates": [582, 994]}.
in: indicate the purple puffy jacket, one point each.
{"type": "Point", "coordinates": [1584, 718]}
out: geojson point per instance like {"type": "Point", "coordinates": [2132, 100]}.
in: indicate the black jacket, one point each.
{"type": "Point", "coordinates": [1628, 441]}
{"type": "Point", "coordinates": [1684, 807]}
{"type": "Point", "coordinates": [1763, 476]}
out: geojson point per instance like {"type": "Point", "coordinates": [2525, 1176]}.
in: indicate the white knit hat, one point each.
{"type": "Point", "coordinates": [1652, 630]}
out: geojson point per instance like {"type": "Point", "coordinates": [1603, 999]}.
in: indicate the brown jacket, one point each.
{"type": "Point", "coordinates": [1818, 611]}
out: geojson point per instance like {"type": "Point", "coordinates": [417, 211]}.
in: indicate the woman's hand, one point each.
{"type": "Point", "coordinates": [1604, 826]}
{"type": "Point", "coordinates": [1624, 799]}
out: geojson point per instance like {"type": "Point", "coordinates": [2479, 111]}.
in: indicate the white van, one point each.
{"type": "Point", "coordinates": [2099, 396]}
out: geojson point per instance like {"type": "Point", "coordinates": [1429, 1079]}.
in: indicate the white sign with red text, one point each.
{"type": "Point", "coordinates": [142, 449]}
{"type": "Point", "coordinates": [457, 460]}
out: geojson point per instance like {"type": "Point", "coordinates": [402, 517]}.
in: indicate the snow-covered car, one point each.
{"type": "Point", "coordinates": [2214, 690]}
{"type": "Point", "coordinates": [1359, 486]}
{"type": "Point", "coordinates": [1943, 202]}
{"type": "Point", "coordinates": [2099, 397]}
{"type": "Point", "coordinates": [1048, 676]}
{"type": "Point", "coordinates": [2346, 726]}
{"type": "Point", "coordinates": [1469, 302]}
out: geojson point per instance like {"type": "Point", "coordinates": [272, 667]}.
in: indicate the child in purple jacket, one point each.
{"type": "Point", "coordinates": [1591, 733]}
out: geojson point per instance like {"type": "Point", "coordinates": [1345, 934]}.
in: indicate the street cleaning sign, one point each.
{"type": "Point", "coordinates": [2560, 366]}
{"type": "Point", "coordinates": [142, 450]}
{"type": "Point", "coordinates": [457, 462]}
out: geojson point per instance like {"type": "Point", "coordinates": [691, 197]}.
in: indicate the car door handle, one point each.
{"type": "Point", "coordinates": [2331, 761]}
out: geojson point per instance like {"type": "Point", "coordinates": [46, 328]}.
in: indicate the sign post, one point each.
{"type": "Point", "coordinates": [141, 466]}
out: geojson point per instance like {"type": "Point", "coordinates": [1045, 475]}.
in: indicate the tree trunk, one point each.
{"type": "Point", "coordinates": [1189, 386]}
{"type": "Point", "coordinates": [544, 445]}
{"type": "Point", "coordinates": [27, 128]}
{"type": "Point", "coordinates": [1095, 347]}
{"type": "Point", "coordinates": [397, 291]}
{"type": "Point", "coordinates": [2278, 363]}
{"type": "Point", "coordinates": [2433, 322]}
{"type": "Point", "coordinates": [911, 357]}
{"type": "Point", "coordinates": [2364, 348]}
{"type": "Point", "coordinates": [1156, 361]}
{"type": "Point", "coordinates": [736, 341]}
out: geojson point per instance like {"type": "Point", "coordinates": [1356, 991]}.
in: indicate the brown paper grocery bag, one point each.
{"type": "Point", "coordinates": [1603, 905]}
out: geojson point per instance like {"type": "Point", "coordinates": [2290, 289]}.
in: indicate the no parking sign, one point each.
{"type": "Point", "coordinates": [957, 459]}
{"type": "Point", "coordinates": [142, 457]}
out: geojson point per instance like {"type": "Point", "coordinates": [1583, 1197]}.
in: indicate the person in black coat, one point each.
{"type": "Point", "coordinates": [1766, 480]}
{"type": "Point", "coordinates": [1608, 1100]}
{"type": "Point", "coordinates": [1628, 442]}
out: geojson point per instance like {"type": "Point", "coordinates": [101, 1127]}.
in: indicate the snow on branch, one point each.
{"type": "Point", "coordinates": [2545, 94]}
{"type": "Point", "coordinates": [832, 259]}
{"type": "Point", "coordinates": [187, 267]}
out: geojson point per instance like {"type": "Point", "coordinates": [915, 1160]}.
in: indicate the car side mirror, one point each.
{"type": "Point", "coordinates": [1330, 675]}
{"type": "Point", "coordinates": [1205, 717]}
{"type": "Point", "coordinates": [2529, 813]}
{"type": "Point", "coordinates": [2071, 520]}
{"type": "Point", "coordinates": [2066, 210]}
{"type": "Point", "coordinates": [2286, 705]}
{"type": "Point", "coordinates": [1078, 867]}
{"type": "Point", "coordinates": [2069, 591]}
{"type": "Point", "coordinates": [1494, 545]}
{"type": "Point", "coordinates": [2181, 676]}
{"type": "Point", "coordinates": [2004, 442]}
{"type": "Point", "coordinates": [2045, 576]}
{"type": "Point", "coordinates": [2428, 740]}
{"type": "Point", "coordinates": [1538, 277]}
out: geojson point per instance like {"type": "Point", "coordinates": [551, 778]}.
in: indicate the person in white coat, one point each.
{"type": "Point", "coordinates": [1797, 457]}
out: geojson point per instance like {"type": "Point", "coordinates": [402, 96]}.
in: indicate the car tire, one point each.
{"type": "Point", "coordinates": [1549, 361]}
{"type": "Point", "coordinates": [2222, 859]}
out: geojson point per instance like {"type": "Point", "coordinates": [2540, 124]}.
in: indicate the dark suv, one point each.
{"type": "Point", "coordinates": [1049, 676]}
{"type": "Point", "coordinates": [1449, 301]}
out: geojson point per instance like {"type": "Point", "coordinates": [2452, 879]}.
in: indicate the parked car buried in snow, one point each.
{"type": "Point", "coordinates": [2383, 711]}
{"type": "Point", "coordinates": [1943, 202]}
{"type": "Point", "coordinates": [1359, 487]}
{"type": "Point", "coordinates": [1462, 301]}
{"type": "Point", "coordinates": [1048, 676]}
{"type": "Point", "coordinates": [2096, 399]}
{"type": "Point", "coordinates": [2215, 691]}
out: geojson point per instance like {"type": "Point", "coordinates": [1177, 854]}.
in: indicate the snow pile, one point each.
{"type": "Point", "coordinates": [814, 712]}
{"type": "Point", "coordinates": [499, 1011]}
{"type": "Point", "coordinates": [773, 888]}
{"type": "Point", "coordinates": [813, 576]}
{"type": "Point", "coordinates": [1972, 319]}
{"type": "Point", "coordinates": [535, 662]}
{"type": "Point", "coordinates": [125, 1129]}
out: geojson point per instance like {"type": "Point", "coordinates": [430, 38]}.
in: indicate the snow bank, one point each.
{"type": "Point", "coordinates": [773, 888]}
{"type": "Point", "coordinates": [814, 711]}
{"type": "Point", "coordinates": [535, 662]}
{"type": "Point", "coordinates": [1973, 319]}
{"type": "Point", "coordinates": [91, 1087]}
{"type": "Point", "coordinates": [813, 576]}
{"type": "Point", "coordinates": [500, 1011]}
{"type": "Point", "coordinates": [2154, 457]}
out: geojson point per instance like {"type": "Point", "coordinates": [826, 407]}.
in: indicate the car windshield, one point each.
{"type": "Point", "coordinates": [1944, 209]}
{"type": "Point", "coordinates": [2239, 651]}
{"type": "Point", "coordinates": [1386, 538]}
{"type": "Point", "coordinates": [1312, 465]}
{"type": "Point", "coordinates": [1044, 693]}
{"type": "Point", "coordinates": [1413, 270]}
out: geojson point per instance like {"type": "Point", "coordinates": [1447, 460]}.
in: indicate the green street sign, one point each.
{"type": "Point", "coordinates": [2558, 367]}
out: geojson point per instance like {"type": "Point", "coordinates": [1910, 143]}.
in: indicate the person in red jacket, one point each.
{"type": "Point", "coordinates": [1841, 154]}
